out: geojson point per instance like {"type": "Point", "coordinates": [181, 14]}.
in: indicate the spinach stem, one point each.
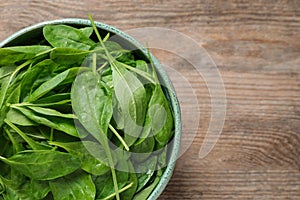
{"type": "Point", "coordinates": [139, 72]}
{"type": "Point", "coordinates": [118, 136]}
{"type": "Point", "coordinates": [13, 141]}
{"type": "Point", "coordinates": [102, 66]}
{"type": "Point", "coordinates": [107, 149]}
{"type": "Point", "coordinates": [3, 159]}
{"type": "Point", "coordinates": [121, 190]}
{"type": "Point", "coordinates": [5, 75]}
{"type": "Point", "coordinates": [39, 104]}
{"type": "Point", "coordinates": [44, 52]}
{"type": "Point", "coordinates": [21, 133]}
{"type": "Point", "coordinates": [51, 135]}
{"type": "Point", "coordinates": [106, 37]}
{"type": "Point", "coordinates": [2, 185]}
{"type": "Point", "coordinates": [6, 85]}
{"type": "Point", "coordinates": [99, 37]}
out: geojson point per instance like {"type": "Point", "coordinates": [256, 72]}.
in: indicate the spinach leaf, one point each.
{"type": "Point", "coordinates": [107, 190]}
{"type": "Point", "coordinates": [133, 181]}
{"type": "Point", "coordinates": [68, 56]}
{"type": "Point", "coordinates": [160, 116]}
{"type": "Point", "coordinates": [87, 31]}
{"type": "Point", "coordinates": [142, 65]}
{"type": "Point", "coordinates": [35, 190]}
{"type": "Point", "coordinates": [49, 152]}
{"type": "Point", "coordinates": [43, 164]}
{"type": "Point", "coordinates": [6, 71]}
{"type": "Point", "coordinates": [61, 124]}
{"type": "Point", "coordinates": [78, 185]}
{"type": "Point", "coordinates": [127, 58]}
{"type": "Point", "coordinates": [35, 76]}
{"type": "Point", "coordinates": [94, 110]}
{"type": "Point", "coordinates": [54, 99]}
{"type": "Point", "coordinates": [142, 149]}
{"type": "Point", "coordinates": [74, 71]}
{"type": "Point", "coordinates": [16, 145]}
{"type": "Point", "coordinates": [5, 85]}
{"type": "Point", "coordinates": [129, 92]}
{"type": "Point", "coordinates": [16, 117]}
{"type": "Point", "coordinates": [91, 104]}
{"type": "Point", "coordinates": [48, 86]}
{"type": "Point", "coordinates": [32, 189]}
{"type": "Point", "coordinates": [145, 172]}
{"type": "Point", "coordinates": [32, 143]}
{"type": "Point", "coordinates": [131, 96]}
{"type": "Point", "coordinates": [118, 117]}
{"type": "Point", "coordinates": [12, 55]}
{"type": "Point", "coordinates": [50, 112]}
{"type": "Point", "coordinates": [92, 155]}
{"type": "Point", "coordinates": [145, 193]}
{"type": "Point", "coordinates": [67, 36]}
{"type": "Point", "coordinates": [14, 96]}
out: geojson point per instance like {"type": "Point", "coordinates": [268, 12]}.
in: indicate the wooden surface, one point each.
{"type": "Point", "coordinates": [256, 46]}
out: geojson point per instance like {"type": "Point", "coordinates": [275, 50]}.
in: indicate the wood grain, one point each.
{"type": "Point", "coordinates": [256, 46]}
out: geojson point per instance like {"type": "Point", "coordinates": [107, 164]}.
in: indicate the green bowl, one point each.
{"type": "Point", "coordinates": [32, 34]}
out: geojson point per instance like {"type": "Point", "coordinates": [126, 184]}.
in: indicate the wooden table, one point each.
{"type": "Point", "coordinates": [256, 47]}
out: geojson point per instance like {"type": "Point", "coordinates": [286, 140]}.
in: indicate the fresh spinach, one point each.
{"type": "Point", "coordinates": [78, 185]}
{"type": "Point", "coordinates": [80, 119]}
{"type": "Point", "coordinates": [43, 164]}
{"type": "Point", "coordinates": [13, 55]}
{"type": "Point", "coordinates": [91, 154]}
{"type": "Point", "coordinates": [67, 37]}
{"type": "Point", "coordinates": [48, 86]}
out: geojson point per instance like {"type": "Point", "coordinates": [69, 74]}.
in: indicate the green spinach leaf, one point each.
{"type": "Point", "coordinates": [131, 96]}
{"type": "Point", "coordinates": [43, 164]}
{"type": "Point", "coordinates": [48, 86]}
{"type": "Point", "coordinates": [12, 55]}
{"type": "Point", "coordinates": [92, 155]}
{"type": "Point", "coordinates": [61, 124]}
{"type": "Point", "coordinates": [67, 37]}
{"type": "Point", "coordinates": [78, 185]}
{"type": "Point", "coordinates": [94, 110]}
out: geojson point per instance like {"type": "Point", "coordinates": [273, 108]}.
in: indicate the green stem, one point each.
{"type": "Point", "coordinates": [140, 72]}
{"type": "Point", "coordinates": [122, 190]}
{"type": "Point", "coordinates": [12, 76]}
{"type": "Point", "coordinates": [2, 185]}
{"type": "Point", "coordinates": [99, 37]}
{"type": "Point", "coordinates": [5, 75]}
{"type": "Point", "coordinates": [3, 159]}
{"type": "Point", "coordinates": [106, 37]}
{"type": "Point", "coordinates": [22, 134]}
{"type": "Point", "coordinates": [44, 52]}
{"type": "Point", "coordinates": [51, 135]}
{"type": "Point", "coordinates": [102, 66]}
{"type": "Point", "coordinates": [112, 168]}
{"type": "Point", "coordinates": [118, 136]}
{"type": "Point", "coordinates": [13, 141]}
{"type": "Point", "coordinates": [39, 104]}
{"type": "Point", "coordinates": [106, 145]}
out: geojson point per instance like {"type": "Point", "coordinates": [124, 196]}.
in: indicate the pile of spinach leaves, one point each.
{"type": "Point", "coordinates": [80, 118]}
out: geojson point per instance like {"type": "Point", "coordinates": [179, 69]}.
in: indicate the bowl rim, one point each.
{"type": "Point", "coordinates": [175, 149]}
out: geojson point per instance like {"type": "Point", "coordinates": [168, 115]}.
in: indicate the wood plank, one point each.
{"type": "Point", "coordinates": [256, 46]}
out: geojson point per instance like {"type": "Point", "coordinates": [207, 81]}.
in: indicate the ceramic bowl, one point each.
{"type": "Point", "coordinates": [32, 34]}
